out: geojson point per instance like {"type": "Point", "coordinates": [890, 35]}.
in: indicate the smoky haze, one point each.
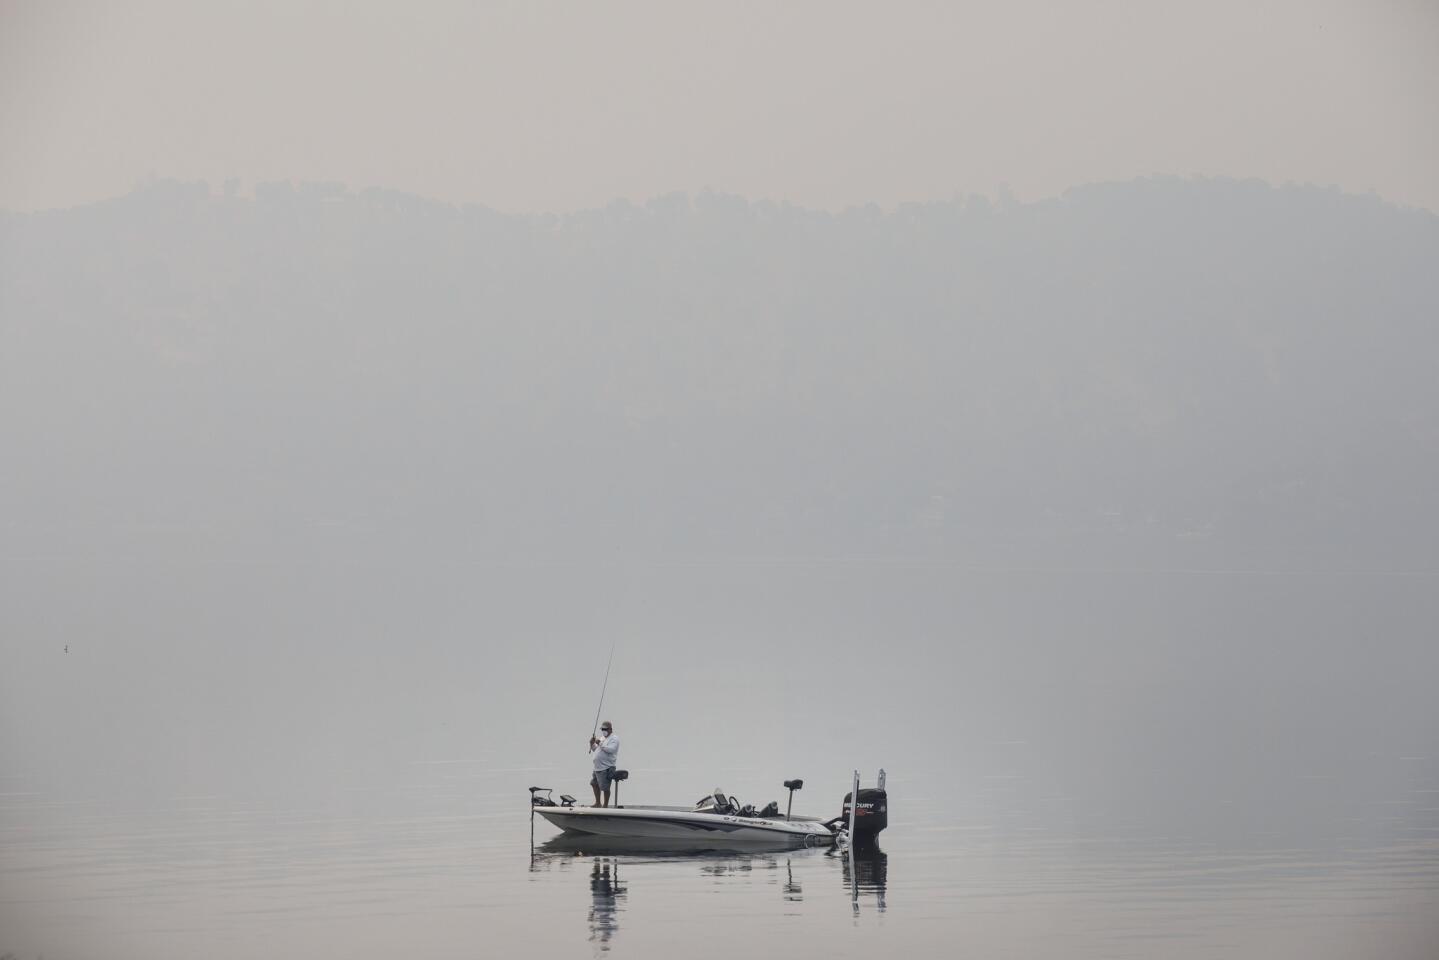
{"type": "Point", "coordinates": [1207, 372]}
{"type": "Point", "coordinates": [1036, 400]}
{"type": "Point", "coordinates": [536, 106]}
{"type": "Point", "coordinates": [1116, 509]}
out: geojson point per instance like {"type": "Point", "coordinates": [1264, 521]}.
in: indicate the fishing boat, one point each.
{"type": "Point", "coordinates": [718, 818]}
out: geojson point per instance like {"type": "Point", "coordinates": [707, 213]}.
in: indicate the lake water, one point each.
{"type": "Point", "coordinates": [207, 879]}
{"type": "Point", "coordinates": [302, 760]}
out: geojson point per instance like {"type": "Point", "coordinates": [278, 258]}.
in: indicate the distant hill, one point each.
{"type": "Point", "coordinates": [1183, 372]}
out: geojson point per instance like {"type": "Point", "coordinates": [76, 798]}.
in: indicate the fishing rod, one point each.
{"type": "Point", "coordinates": [602, 692]}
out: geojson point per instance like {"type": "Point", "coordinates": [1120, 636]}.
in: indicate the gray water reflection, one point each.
{"type": "Point", "coordinates": [866, 873]}
{"type": "Point", "coordinates": [607, 895]}
{"type": "Point", "coordinates": [225, 881]}
{"type": "Point", "coordinates": [862, 872]}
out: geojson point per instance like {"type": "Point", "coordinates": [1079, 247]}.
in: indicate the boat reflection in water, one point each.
{"type": "Point", "coordinates": [607, 892]}
{"type": "Point", "coordinates": [863, 871]}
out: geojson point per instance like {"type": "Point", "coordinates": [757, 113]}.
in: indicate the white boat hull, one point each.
{"type": "Point", "coordinates": [673, 823]}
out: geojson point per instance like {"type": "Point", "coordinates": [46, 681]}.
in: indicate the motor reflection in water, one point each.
{"type": "Point", "coordinates": [866, 871]}
{"type": "Point", "coordinates": [863, 871]}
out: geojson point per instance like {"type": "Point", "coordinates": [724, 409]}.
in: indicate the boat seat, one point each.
{"type": "Point", "coordinates": [620, 775]}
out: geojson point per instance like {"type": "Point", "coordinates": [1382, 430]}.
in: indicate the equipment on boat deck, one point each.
{"type": "Point", "coordinates": [791, 786]}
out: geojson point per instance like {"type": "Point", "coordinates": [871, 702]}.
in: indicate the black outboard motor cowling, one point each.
{"type": "Point", "coordinates": [871, 815]}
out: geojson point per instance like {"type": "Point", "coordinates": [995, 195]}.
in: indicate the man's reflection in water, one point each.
{"type": "Point", "coordinates": [871, 872]}
{"type": "Point", "coordinates": [605, 896]}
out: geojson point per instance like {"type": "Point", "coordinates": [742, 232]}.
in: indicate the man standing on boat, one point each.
{"type": "Point", "coordinates": [606, 750]}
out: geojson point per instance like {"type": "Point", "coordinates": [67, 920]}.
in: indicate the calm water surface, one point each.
{"type": "Point", "coordinates": [208, 879]}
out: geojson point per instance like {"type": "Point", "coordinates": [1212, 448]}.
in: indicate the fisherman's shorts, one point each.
{"type": "Point", "coordinates": [601, 780]}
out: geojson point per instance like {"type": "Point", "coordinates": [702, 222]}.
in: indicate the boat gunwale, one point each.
{"type": "Point", "coordinates": [725, 826]}
{"type": "Point", "coordinates": [687, 811]}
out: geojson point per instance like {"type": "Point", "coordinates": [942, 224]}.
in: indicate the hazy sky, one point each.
{"type": "Point", "coordinates": [534, 106]}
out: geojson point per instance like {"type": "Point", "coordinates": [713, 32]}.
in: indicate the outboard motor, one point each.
{"type": "Point", "coordinates": [871, 813]}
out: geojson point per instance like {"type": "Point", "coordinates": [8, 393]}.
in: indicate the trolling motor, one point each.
{"type": "Point", "coordinates": [546, 801]}
{"type": "Point", "coordinates": [791, 786]}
